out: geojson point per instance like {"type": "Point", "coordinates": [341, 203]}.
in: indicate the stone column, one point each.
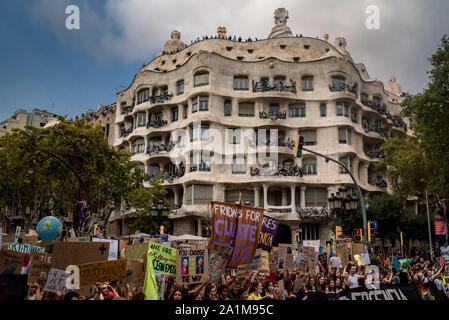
{"type": "Point", "coordinates": [256, 197]}
{"type": "Point", "coordinates": [199, 229]}
{"type": "Point", "coordinates": [265, 196]}
{"type": "Point", "coordinates": [176, 193]}
{"type": "Point", "coordinates": [303, 197]}
{"type": "Point", "coordinates": [184, 194]}
{"type": "Point", "coordinates": [284, 196]}
{"type": "Point", "coordinates": [223, 193]}
{"type": "Point", "coordinates": [293, 200]}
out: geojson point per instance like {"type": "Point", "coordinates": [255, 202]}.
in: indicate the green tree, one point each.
{"type": "Point", "coordinates": [141, 202]}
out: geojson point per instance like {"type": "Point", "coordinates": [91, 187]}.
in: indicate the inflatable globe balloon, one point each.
{"type": "Point", "coordinates": [49, 228]}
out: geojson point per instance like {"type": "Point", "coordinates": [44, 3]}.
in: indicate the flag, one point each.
{"type": "Point", "coordinates": [150, 288]}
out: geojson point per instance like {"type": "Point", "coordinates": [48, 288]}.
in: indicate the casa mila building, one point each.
{"type": "Point", "coordinates": [283, 86]}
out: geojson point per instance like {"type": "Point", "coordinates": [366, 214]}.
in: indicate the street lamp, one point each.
{"type": "Point", "coordinates": [160, 209]}
{"type": "Point", "coordinates": [343, 201]}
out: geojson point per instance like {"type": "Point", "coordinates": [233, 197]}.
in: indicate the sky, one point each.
{"type": "Point", "coordinates": [44, 65]}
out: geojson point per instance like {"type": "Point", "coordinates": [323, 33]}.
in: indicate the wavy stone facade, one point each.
{"type": "Point", "coordinates": [292, 84]}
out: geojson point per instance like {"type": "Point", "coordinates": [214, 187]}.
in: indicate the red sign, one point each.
{"type": "Point", "coordinates": [440, 228]}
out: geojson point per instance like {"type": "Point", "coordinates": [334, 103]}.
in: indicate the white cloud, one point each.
{"type": "Point", "coordinates": [135, 30]}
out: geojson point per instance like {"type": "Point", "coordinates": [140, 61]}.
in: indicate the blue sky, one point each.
{"type": "Point", "coordinates": [44, 65]}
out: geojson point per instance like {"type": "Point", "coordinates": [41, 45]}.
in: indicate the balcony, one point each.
{"type": "Point", "coordinates": [279, 210]}
{"type": "Point", "coordinates": [343, 87]}
{"type": "Point", "coordinates": [289, 143]}
{"type": "Point", "coordinates": [375, 154]}
{"type": "Point", "coordinates": [158, 123]}
{"type": "Point", "coordinates": [379, 130]}
{"type": "Point", "coordinates": [375, 105]}
{"type": "Point", "coordinates": [157, 148]}
{"type": "Point", "coordinates": [266, 170]}
{"type": "Point", "coordinates": [204, 167]}
{"type": "Point", "coordinates": [381, 183]}
{"type": "Point", "coordinates": [279, 86]}
{"type": "Point", "coordinates": [126, 132]}
{"type": "Point", "coordinates": [127, 109]}
{"type": "Point", "coordinates": [161, 98]}
{"type": "Point", "coordinates": [313, 213]}
{"type": "Point", "coordinates": [273, 115]}
{"type": "Point", "coordinates": [169, 176]}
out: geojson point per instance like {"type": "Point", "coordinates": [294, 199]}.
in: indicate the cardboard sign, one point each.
{"type": "Point", "coordinates": [162, 259]}
{"type": "Point", "coordinates": [25, 248]}
{"type": "Point", "coordinates": [358, 248]}
{"type": "Point", "coordinates": [243, 272]}
{"type": "Point", "coordinates": [75, 253]}
{"type": "Point", "coordinates": [219, 257]}
{"type": "Point", "coordinates": [79, 239]}
{"type": "Point", "coordinates": [57, 281]}
{"type": "Point", "coordinates": [365, 258]}
{"type": "Point", "coordinates": [191, 266]}
{"type": "Point", "coordinates": [31, 239]}
{"type": "Point", "coordinates": [336, 262]}
{"type": "Point", "coordinates": [135, 272]}
{"type": "Point", "coordinates": [322, 258]}
{"type": "Point", "coordinates": [113, 248]}
{"type": "Point", "coordinates": [106, 271]}
{"type": "Point", "coordinates": [11, 262]}
{"type": "Point", "coordinates": [267, 233]}
{"type": "Point", "coordinates": [341, 251]}
{"type": "Point", "coordinates": [312, 243]}
{"type": "Point", "coordinates": [136, 252]}
{"type": "Point", "coordinates": [40, 268]}
{"type": "Point", "coordinates": [17, 234]}
{"type": "Point", "coordinates": [264, 264]}
{"type": "Point", "coordinates": [238, 227]}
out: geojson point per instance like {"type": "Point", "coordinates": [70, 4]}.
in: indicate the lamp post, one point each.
{"type": "Point", "coordinates": [427, 195]}
{"type": "Point", "coordinates": [343, 201]}
{"type": "Point", "coordinates": [159, 210]}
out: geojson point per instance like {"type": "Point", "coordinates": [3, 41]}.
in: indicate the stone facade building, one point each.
{"type": "Point", "coordinates": [292, 84]}
{"type": "Point", "coordinates": [104, 116]}
{"type": "Point", "coordinates": [22, 118]}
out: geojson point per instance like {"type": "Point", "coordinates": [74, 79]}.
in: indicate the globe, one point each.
{"type": "Point", "coordinates": [49, 228]}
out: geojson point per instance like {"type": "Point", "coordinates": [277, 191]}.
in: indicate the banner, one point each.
{"type": "Point", "coordinates": [219, 257]}
{"type": "Point", "coordinates": [191, 267]}
{"type": "Point", "coordinates": [40, 268]}
{"type": "Point", "coordinates": [113, 248]}
{"type": "Point", "coordinates": [107, 271]}
{"type": "Point", "coordinates": [385, 292]}
{"type": "Point", "coordinates": [24, 248]}
{"type": "Point", "coordinates": [440, 228]}
{"type": "Point", "coordinates": [267, 233]}
{"type": "Point", "coordinates": [239, 227]}
{"type": "Point", "coordinates": [57, 281]}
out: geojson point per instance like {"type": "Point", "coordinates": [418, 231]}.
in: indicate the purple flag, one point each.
{"type": "Point", "coordinates": [267, 233]}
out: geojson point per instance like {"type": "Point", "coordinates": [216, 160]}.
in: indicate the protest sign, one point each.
{"type": "Point", "coordinates": [79, 239]}
{"type": "Point", "coordinates": [39, 268]}
{"type": "Point", "coordinates": [190, 265]}
{"type": "Point", "coordinates": [264, 264]}
{"type": "Point", "coordinates": [135, 272]}
{"type": "Point", "coordinates": [440, 228]}
{"type": "Point", "coordinates": [341, 250]}
{"type": "Point", "coordinates": [298, 258]}
{"type": "Point", "coordinates": [160, 282]}
{"type": "Point", "coordinates": [74, 253]}
{"type": "Point", "coordinates": [107, 271]}
{"type": "Point", "coordinates": [11, 262]}
{"type": "Point", "coordinates": [256, 260]}
{"type": "Point", "coordinates": [273, 260]}
{"type": "Point", "coordinates": [285, 256]}
{"type": "Point", "coordinates": [358, 259]}
{"type": "Point", "coordinates": [239, 227]}
{"type": "Point", "coordinates": [136, 252]}
{"type": "Point", "coordinates": [322, 258]}
{"type": "Point", "coordinates": [219, 257]}
{"type": "Point", "coordinates": [358, 248]}
{"type": "Point", "coordinates": [17, 234]}
{"type": "Point", "coordinates": [312, 243]}
{"type": "Point", "coordinates": [57, 281]}
{"type": "Point", "coordinates": [25, 248]}
{"type": "Point", "coordinates": [365, 258]}
{"type": "Point", "coordinates": [336, 262]}
{"type": "Point", "coordinates": [162, 259]}
{"type": "Point", "coordinates": [243, 272]}
{"type": "Point", "coordinates": [267, 233]}
{"type": "Point", "coordinates": [31, 239]}
{"type": "Point", "coordinates": [113, 248]}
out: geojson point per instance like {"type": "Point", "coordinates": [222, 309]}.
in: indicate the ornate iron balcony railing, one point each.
{"type": "Point", "coordinates": [291, 171]}
{"type": "Point", "coordinates": [127, 109]}
{"type": "Point", "coordinates": [381, 131]}
{"type": "Point", "coordinates": [156, 148]}
{"type": "Point", "coordinates": [379, 183]}
{"type": "Point", "coordinates": [313, 213]}
{"type": "Point", "coordinates": [161, 98]}
{"type": "Point", "coordinates": [341, 87]}
{"type": "Point", "coordinates": [169, 176]}
{"type": "Point", "coordinates": [283, 210]}
{"type": "Point", "coordinates": [273, 115]}
{"type": "Point", "coordinates": [158, 123]}
{"type": "Point", "coordinates": [375, 154]}
{"type": "Point", "coordinates": [126, 132]}
{"type": "Point", "coordinates": [279, 86]}
{"type": "Point", "coordinates": [289, 143]}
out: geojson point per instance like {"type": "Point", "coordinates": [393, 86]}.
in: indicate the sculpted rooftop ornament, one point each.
{"type": "Point", "coordinates": [280, 29]}
{"type": "Point", "coordinates": [174, 44]}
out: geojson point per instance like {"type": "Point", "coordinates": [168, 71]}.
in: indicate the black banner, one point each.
{"type": "Point", "coordinates": [385, 292]}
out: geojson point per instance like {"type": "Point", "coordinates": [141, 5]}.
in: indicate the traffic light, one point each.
{"type": "Point", "coordinates": [338, 232]}
{"type": "Point", "coordinates": [298, 146]}
{"type": "Point", "coordinates": [358, 235]}
{"type": "Point", "coordinates": [371, 232]}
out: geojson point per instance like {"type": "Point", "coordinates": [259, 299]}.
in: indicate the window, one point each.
{"type": "Point", "coordinates": [199, 194]}
{"type": "Point", "coordinates": [201, 104]}
{"type": "Point", "coordinates": [141, 119]}
{"type": "Point", "coordinates": [201, 133]}
{"type": "Point", "coordinates": [309, 166]}
{"type": "Point", "coordinates": [378, 124]}
{"type": "Point", "coordinates": [157, 141]}
{"type": "Point", "coordinates": [143, 96]}
{"type": "Point", "coordinates": [241, 83]}
{"type": "Point", "coordinates": [338, 83]}
{"type": "Point", "coordinates": [310, 231]}
{"type": "Point", "coordinates": [107, 130]}
{"type": "Point", "coordinates": [297, 110]}
{"type": "Point", "coordinates": [139, 146]}
{"type": "Point", "coordinates": [246, 109]}
{"type": "Point", "coordinates": [180, 87]}
{"type": "Point", "coordinates": [342, 109]}
{"type": "Point", "coordinates": [174, 114]}
{"type": "Point", "coordinates": [153, 169]}
{"type": "Point", "coordinates": [278, 79]}
{"type": "Point", "coordinates": [347, 161]}
{"type": "Point", "coordinates": [307, 83]}
{"type": "Point", "coordinates": [274, 108]}
{"type": "Point", "coordinates": [158, 116]}
{"type": "Point", "coordinates": [316, 197]}
{"type": "Point", "coordinates": [227, 108]}
{"type": "Point", "coordinates": [233, 135]}
{"type": "Point", "coordinates": [238, 165]}
{"type": "Point", "coordinates": [344, 136]}
{"type": "Point", "coordinates": [323, 110]}
{"type": "Point", "coordinates": [232, 196]}
{"type": "Point", "coordinates": [309, 137]}
{"type": "Point", "coordinates": [201, 79]}
{"type": "Point", "coordinates": [186, 111]}
{"type": "Point", "coordinates": [354, 115]}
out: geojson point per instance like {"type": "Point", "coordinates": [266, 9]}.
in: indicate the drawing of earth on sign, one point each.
{"type": "Point", "coordinates": [49, 228]}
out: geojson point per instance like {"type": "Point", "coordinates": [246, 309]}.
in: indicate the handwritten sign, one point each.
{"type": "Point", "coordinates": [11, 262]}
{"type": "Point", "coordinates": [106, 271]}
{"type": "Point", "coordinates": [243, 272]}
{"type": "Point", "coordinates": [358, 248]}
{"type": "Point", "coordinates": [74, 253]}
{"type": "Point", "coordinates": [191, 266]}
{"type": "Point", "coordinates": [219, 257]}
{"type": "Point", "coordinates": [113, 248]}
{"type": "Point", "coordinates": [24, 248]}
{"type": "Point", "coordinates": [17, 234]}
{"type": "Point", "coordinates": [40, 268]}
{"type": "Point", "coordinates": [267, 233]}
{"type": "Point", "coordinates": [162, 259]}
{"type": "Point", "coordinates": [57, 281]}
{"type": "Point", "coordinates": [322, 258]}
{"type": "Point", "coordinates": [264, 264]}
{"type": "Point", "coordinates": [136, 252]}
